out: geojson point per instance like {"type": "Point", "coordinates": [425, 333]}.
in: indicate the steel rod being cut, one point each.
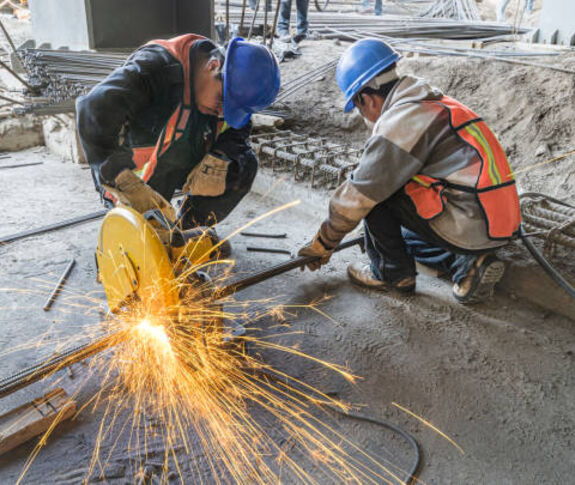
{"type": "Point", "coordinates": [256, 278]}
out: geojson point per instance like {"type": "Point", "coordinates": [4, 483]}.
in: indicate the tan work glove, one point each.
{"type": "Point", "coordinates": [132, 191]}
{"type": "Point", "coordinates": [316, 248]}
{"type": "Point", "coordinates": [208, 178]}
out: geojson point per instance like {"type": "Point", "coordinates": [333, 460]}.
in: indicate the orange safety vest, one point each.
{"type": "Point", "coordinates": [146, 158]}
{"type": "Point", "coordinates": [495, 186]}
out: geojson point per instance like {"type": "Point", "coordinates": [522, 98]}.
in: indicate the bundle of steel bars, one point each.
{"type": "Point", "coordinates": [395, 25]}
{"type": "Point", "coordinates": [64, 75]}
{"type": "Point", "coordinates": [453, 9]}
{"type": "Point", "coordinates": [67, 74]}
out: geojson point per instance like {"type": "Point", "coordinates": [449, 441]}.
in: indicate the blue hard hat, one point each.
{"type": "Point", "coordinates": [360, 63]}
{"type": "Point", "coordinates": [251, 81]}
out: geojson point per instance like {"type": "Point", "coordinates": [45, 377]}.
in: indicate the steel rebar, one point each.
{"type": "Point", "coordinates": [59, 285]}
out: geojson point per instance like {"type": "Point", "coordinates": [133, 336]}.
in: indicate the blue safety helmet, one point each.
{"type": "Point", "coordinates": [251, 81]}
{"type": "Point", "coordinates": [359, 64]}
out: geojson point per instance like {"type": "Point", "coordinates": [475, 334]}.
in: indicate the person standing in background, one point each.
{"type": "Point", "coordinates": [302, 26]}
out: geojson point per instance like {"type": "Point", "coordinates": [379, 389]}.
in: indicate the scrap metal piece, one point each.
{"type": "Point", "coordinates": [18, 165]}
{"type": "Point", "coordinates": [61, 282]}
{"type": "Point", "coordinates": [261, 234]}
{"type": "Point", "coordinates": [257, 249]}
{"type": "Point", "coordinates": [53, 227]}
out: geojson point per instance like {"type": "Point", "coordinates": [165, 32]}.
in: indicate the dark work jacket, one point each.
{"type": "Point", "coordinates": [130, 108]}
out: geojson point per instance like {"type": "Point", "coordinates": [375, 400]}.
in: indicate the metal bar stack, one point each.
{"type": "Point", "coordinates": [323, 163]}
{"type": "Point", "coordinates": [549, 219]}
{"type": "Point", "coordinates": [453, 9]}
{"type": "Point", "coordinates": [397, 25]}
{"type": "Point", "coordinates": [67, 74]}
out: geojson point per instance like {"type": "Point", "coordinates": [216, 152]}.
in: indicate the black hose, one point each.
{"type": "Point", "coordinates": [548, 268]}
{"type": "Point", "coordinates": [412, 472]}
{"type": "Point", "coordinates": [411, 476]}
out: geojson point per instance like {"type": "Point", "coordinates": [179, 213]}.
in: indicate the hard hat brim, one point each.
{"type": "Point", "coordinates": [368, 76]}
{"type": "Point", "coordinates": [235, 116]}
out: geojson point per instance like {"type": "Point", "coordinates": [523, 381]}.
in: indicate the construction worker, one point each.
{"type": "Point", "coordinates": [433, 184]}
{"type": "Point", "coordinates": [155, 125]}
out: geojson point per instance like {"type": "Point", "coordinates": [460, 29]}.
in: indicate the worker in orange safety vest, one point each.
{"type": "Point", "coordinates": [175, 116]}
{"type": "Point", "coordinates": [433, 184]}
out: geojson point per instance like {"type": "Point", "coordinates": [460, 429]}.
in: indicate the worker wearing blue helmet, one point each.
{"type": "Point", "coordinates": [175, 116]}
{"type": "Point", "coordinates": [433, 184]}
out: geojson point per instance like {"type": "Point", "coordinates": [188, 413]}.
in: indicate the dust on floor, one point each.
{"type": "Point", "coordinates": [498, 378]}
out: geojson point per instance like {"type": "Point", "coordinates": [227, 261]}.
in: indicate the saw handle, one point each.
{"type": "Point", "coordinates": [158, 216]}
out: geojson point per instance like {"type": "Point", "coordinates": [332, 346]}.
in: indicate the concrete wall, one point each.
{"type": "Point", "coordinates": [109, 24]}
{"type": "Point", "coordinates": [557, 24]}
{"type": "Point", "coordinates": [60, 23]}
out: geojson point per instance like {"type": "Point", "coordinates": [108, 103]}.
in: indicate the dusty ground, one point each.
{"type": "Point", "coordinates": [497, 378]}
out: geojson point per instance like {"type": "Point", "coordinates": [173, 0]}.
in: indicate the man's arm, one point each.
{"type": "Point", "coordinates": [383, 170]}
{"type": "Point", "coordinates": [234, 143]}
{"type": "Point", "coordinates": [102, 113]}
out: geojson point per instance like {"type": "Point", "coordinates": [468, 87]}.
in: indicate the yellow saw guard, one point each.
{"type": "Point", "coordinates": [133, 262]}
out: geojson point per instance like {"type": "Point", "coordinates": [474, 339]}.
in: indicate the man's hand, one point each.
{"type": "Point", "coordinates": [316, 248]}
{"type": "Point", "coordinates": [132, 191]}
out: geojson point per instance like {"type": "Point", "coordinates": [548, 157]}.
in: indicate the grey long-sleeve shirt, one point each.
{"type": "Point", "coordinates": [410, 138]}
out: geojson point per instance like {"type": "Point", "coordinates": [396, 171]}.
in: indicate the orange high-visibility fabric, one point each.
{"type": "Point", "coordinates": [426, 195]}
{"type": "Point", "coordinates": [179, 47]}
{"type": "Point", "coordinates": [495, 185]}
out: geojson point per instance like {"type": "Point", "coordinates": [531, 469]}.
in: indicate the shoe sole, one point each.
{"type": "Point", "coordinates": [488, 277]}
{"type": "Point", "coordinates": [383, 287]}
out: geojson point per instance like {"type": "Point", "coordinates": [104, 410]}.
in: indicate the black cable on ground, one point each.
{"type": "Point", "coordinates": [416, 463]}
{"type": "Point", "coordinates": [550, 270]}
{"type": "Point", "coordinates": [547, 267]}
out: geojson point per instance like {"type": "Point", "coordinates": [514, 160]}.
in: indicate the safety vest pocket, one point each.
{"type": "Point", "coordinates": [427, 195]}
{"type": "Point", "coordinates": [208, 178]}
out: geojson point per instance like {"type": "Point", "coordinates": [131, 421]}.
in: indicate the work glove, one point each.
{"type": "Point", "coordinates": [131, 190]}
{"type": "Point", "coordinates": [208, 178]}
{"type": "Point", "coordinates": [316, 248]}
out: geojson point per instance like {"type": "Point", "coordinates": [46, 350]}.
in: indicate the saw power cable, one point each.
{"type": "Point", "coordinates": [411, 473]}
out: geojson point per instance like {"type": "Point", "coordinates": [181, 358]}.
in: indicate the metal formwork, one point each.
{"type": "Point", "coordinates": [321, 162]}
{"type": "Point", "coordinates": [549, 219]}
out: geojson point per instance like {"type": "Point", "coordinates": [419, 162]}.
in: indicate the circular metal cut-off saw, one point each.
{"type": "Point", "coordinates": [142, 257]}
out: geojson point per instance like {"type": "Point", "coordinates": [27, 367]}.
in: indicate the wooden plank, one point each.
{"type": "Point", "coordinates": [34, 418]}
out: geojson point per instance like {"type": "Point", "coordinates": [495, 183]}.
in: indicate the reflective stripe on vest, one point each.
{"type": "Point", "coordinates": [495, 187]}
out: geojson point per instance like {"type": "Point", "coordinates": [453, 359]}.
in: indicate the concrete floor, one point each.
{"type": "Point", "coordinates": [498, 378]}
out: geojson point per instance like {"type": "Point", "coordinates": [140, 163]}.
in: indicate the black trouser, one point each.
{"type": "Point", "coordinates": [396, 236]}
{"type": "Point", "coordinates": [199, 210]}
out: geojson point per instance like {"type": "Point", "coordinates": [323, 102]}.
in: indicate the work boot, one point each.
{"type": "Point", "coordinates": [479, 283]}
{"type": "Point", "coordinates": [361, 274]}
{"type": "Point", "coordinates": [297, 38]}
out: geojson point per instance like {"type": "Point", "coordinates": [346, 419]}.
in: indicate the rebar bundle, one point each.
{"type": "Point", "coordinates": [63, 75]}
{"type": "Point", "coordinates": [549, 219]}
{"type": "Point", "coordinates": [397, 25]}
{"type": "Point", "coordinates": [321, 162]}
{"type": "Point", "coordinates": [453, 9]}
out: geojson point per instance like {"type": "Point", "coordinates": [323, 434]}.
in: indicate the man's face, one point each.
{"type": "Point", "coordinates": [369, 106]}
{"type": "Point", "coordinates": [208, 89]}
